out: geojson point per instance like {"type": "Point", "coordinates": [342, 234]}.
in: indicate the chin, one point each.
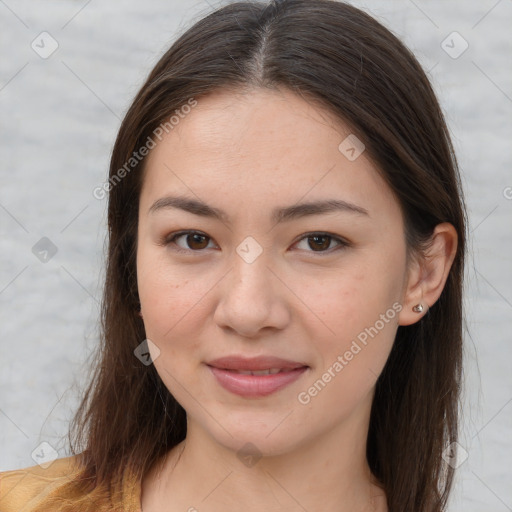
{"type": "Point", "coordinates": [246, 438]}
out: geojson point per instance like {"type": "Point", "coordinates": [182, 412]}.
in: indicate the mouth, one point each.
{"type": "Point", "coordinates": [270, 371]}
{"type": "Point", "coordinates": [256, 377]}
{"type": "Point", "coordinates": [255, 364]}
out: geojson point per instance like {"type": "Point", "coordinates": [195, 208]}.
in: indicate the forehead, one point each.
{"type": "Point", "coordinates": [255, 119]}
{"type": "Point", "coordinates": [241, 145]}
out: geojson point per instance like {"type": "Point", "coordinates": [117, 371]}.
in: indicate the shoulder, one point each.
{"type": "Point", "coordinates": [22, 490]}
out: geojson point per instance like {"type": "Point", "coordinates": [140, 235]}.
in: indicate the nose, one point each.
{"type": "Point", "coordinates": [252, 299]}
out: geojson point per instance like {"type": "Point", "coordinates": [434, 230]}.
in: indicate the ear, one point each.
{"type": "Point", "coordinates": [428, 273]}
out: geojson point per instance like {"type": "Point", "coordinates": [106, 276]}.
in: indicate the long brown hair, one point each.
{"type": "Point", "coordinates": [339, 56]}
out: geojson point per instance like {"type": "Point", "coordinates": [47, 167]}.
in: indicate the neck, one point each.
{"type": "Point", "coordinates": [329, 473]}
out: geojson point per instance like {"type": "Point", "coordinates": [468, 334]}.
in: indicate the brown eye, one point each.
{"type": "Point", "coordinates": [321, 242]}
{"type": "Point", "coordinates": [194, 241]}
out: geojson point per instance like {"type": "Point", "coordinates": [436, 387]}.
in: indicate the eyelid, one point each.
{"type": "Point", "coordinates": [169, 239]}
{"type": "Point", "coordinates": [342, 242]}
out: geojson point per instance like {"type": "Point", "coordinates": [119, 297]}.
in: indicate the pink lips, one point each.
{"type": "Point", "coordinates": [226, 370]}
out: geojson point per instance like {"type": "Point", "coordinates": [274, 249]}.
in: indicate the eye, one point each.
{"type": "Point", "coordinates": [320, 241]}
{"type": "Point", "coordinates": [195, 241]}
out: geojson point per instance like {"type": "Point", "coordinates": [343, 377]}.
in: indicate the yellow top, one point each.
{"type": "Point", "coordinates": [35, 489]}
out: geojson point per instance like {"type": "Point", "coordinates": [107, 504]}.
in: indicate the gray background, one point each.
{"type": "Point", "coordinates": [59, 118]}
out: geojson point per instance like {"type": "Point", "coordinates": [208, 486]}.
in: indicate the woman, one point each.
{"type": "Point", "coordinates": [282, 315]}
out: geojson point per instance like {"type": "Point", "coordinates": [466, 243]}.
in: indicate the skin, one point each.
{"type": "Point", "coordinates": [247, 153]}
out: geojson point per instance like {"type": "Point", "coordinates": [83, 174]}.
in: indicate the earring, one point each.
{"type": "Point", "coordinates": [418, 308]}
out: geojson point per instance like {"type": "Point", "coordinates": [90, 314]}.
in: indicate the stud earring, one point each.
{"type": "Point", "coordinates": [418, 308]}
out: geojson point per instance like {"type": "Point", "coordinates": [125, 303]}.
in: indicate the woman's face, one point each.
{"type": "Point", "coordinates": [320, 287]}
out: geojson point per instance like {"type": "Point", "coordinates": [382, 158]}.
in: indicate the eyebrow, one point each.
{"type": "Point", "coordinates": [280, 214]}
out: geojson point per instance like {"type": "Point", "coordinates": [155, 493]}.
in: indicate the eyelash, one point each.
{"type": "Point", "coordinates": [170, 239]}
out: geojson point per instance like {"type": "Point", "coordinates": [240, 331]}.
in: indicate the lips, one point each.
{"type": "Point", "coordinates": [254, 364]}
{"type": "Point", "coordinates": [255, 377]}
{"type": "Point", "coordinates": [270, 371]}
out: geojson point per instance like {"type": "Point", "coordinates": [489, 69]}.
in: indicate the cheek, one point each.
{"type": "Point", "coordinates": [358, 312]}
{"type": "Point", "coordinates": [170, 304]}
{"type": "Point", "coordinates": [173, 319]}
{"type": "Point", "coordinates": [349, 299]}
{"type": "Point", "coordinates": [174, 304]}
